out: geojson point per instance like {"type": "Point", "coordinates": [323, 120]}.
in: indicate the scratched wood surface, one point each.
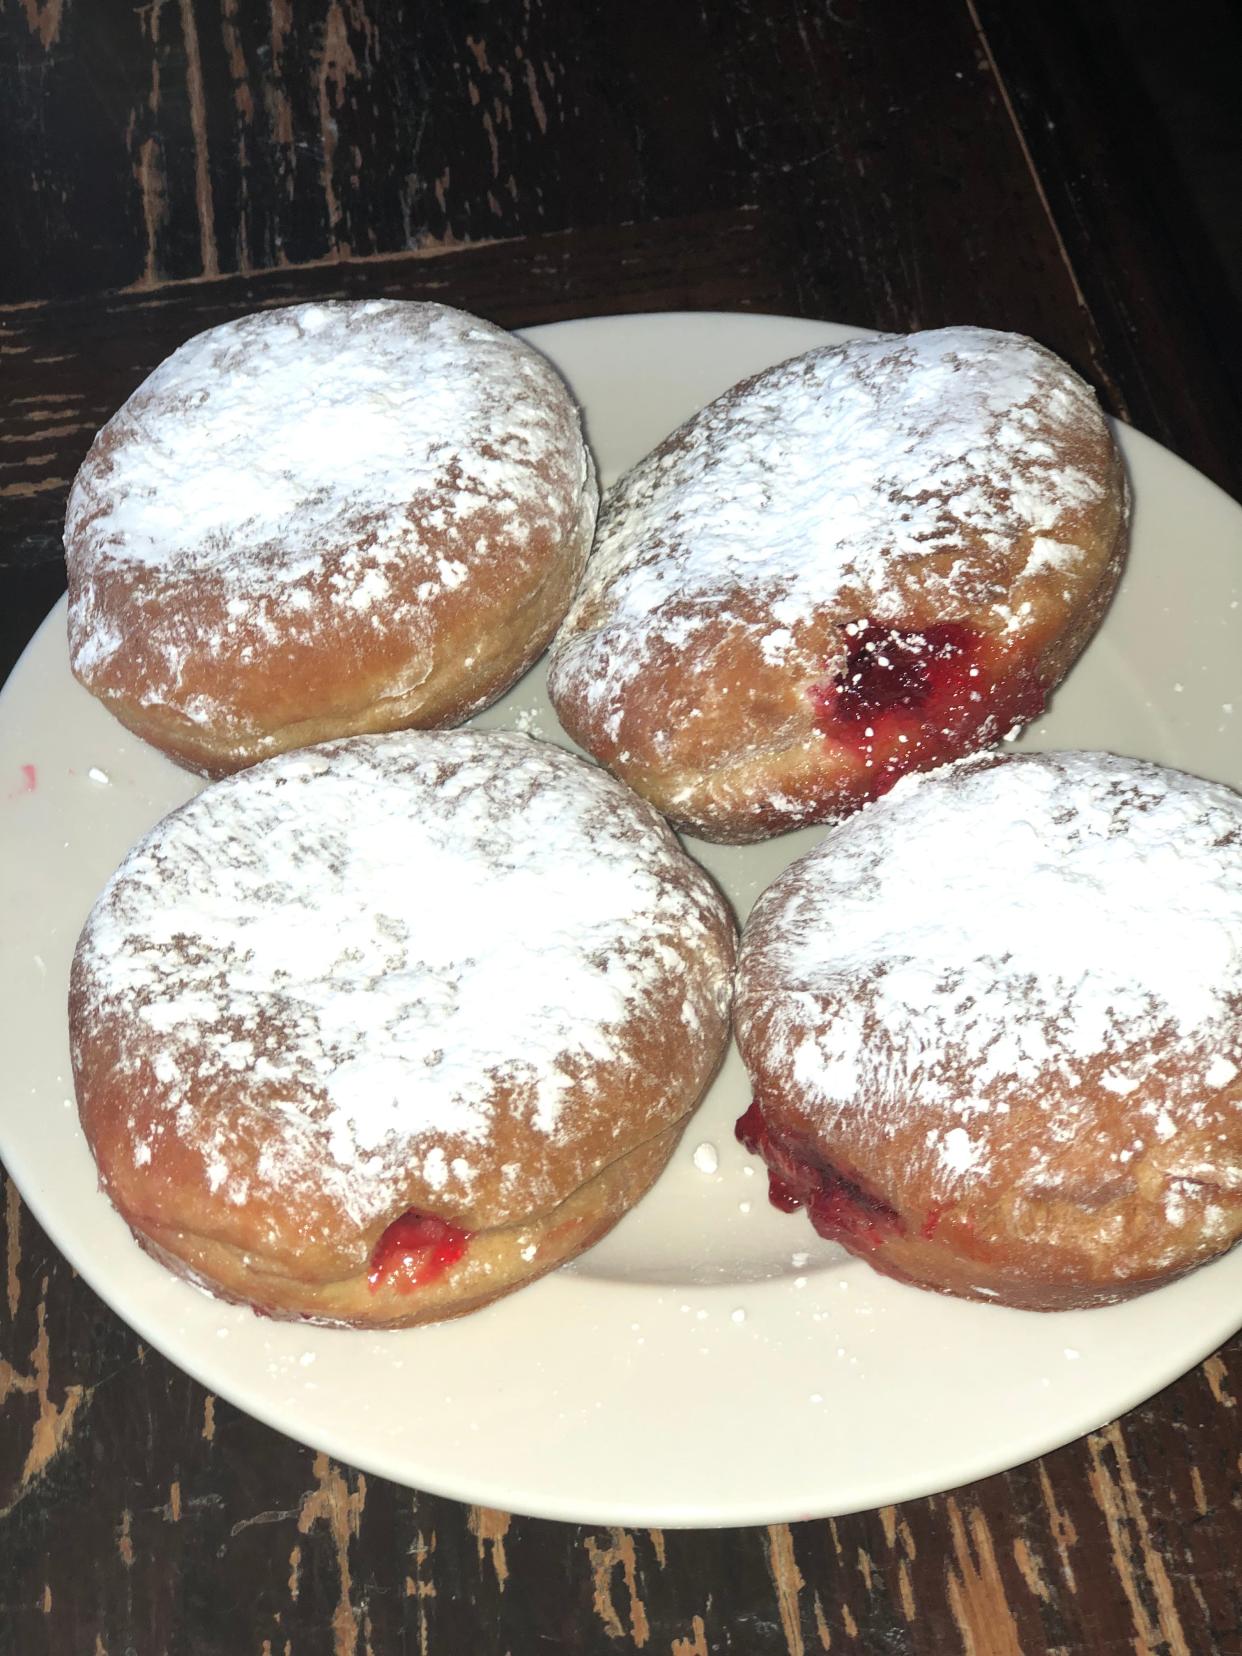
{"type": "Point", "coordinates": [1069, 171]}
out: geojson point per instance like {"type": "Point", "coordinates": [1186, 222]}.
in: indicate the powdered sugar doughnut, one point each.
{"type": "Point", "coordinates": [379, 1030]}
{"type": "Point", "coordinates": [867, 560]}
{"type": "Point", "coordinates": [324, 520]}
{"type": "Point", "coordinates": [994, 1026]}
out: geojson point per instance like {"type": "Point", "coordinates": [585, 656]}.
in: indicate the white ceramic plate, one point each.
{"type": "Point", "coordinates": [712, 1361]}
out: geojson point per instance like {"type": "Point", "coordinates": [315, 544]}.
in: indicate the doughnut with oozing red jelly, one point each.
{"type": "Point", "coordinates": [868, 560]}
{"type": "Point", "coordinates": [993, 1024]}
{"type": "Point", "coordinates": [379, 1030]}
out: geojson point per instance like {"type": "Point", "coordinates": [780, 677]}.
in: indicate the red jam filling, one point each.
{"type": "Point", "coordinates": [908, 699]}
{"type": "Point", "coordinates": [414, 1250]}
{"type": "Point", "coordinates": [840, 1209]}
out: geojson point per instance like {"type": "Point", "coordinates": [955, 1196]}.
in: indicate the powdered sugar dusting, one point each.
{"type": "Point", "coordinates": [821, 477]}
{"type": "Point", "coordinates": [377, 940]}
{"type": "Point", "coordinates": [1009, 929]}
{"type": "Point", "coordinates": [330, 449]}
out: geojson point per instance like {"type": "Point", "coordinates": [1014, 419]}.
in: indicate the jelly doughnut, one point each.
{"type": "Point", "coordinates": [867, 560]}
{"type": "Point", "coordinates": [321, 521]}
{"type": "Point", "coordinates": [379, 1030]}
{"type": "Point", "coordinates": [994, 1028]}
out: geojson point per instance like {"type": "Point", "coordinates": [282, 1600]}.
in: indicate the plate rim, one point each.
{"type": "Point", "coordinates": [493, 1491]}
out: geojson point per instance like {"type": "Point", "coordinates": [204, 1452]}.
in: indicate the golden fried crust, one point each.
{"type": "Point", "coordinates": [1093, 1230]}
{"type": "Point", "coordinates": [498, 1259]}
{"type": "Point", "coordinates": [1043, 1135]}
{"type": "Point", "coordinates": [404, 577]}
{"type": "Point", "coordinates": [467, 975]}
{"type": "Point", "coordinates": [702, 656]}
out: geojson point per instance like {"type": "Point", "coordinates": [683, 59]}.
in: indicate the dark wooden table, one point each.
{"type": "Point", "coordinates": [1068, 170]}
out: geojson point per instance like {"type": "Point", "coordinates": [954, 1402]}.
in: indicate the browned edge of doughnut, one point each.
{"type": "Point", "coordinates": [493, 1265]}
{"type": "Point", "coordinates": [500, 632]}
{"type": "Point", "coordinates": [997, 1245]}
{"type": "Point", "coordinates": [939, 1270]}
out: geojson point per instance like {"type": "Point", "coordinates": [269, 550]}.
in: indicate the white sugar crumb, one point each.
{"type": "Point", "coordinates": [100, 777]}
{"type": "Point", "coordinates": [823, 484]}
{"type": "Point", "coordinates": [958, 1151]}
{"type": "Point", "coordinates": [776, 645]}
{"type": "Point", "coordinates": [706, 1157]}
{"type": "Point", "coordinates": [1115, 1081]}
{"type": "Point", "coordinates": [1220, 1072]}
{"type": "Point", "coordinates": [1026, 934]}
{"type": "Point", "coordinates": [1047, 553]}
{"type": "Point", "coordinates": [375, 941]}
{"type": "Point", "coordinates": [435, 1166]}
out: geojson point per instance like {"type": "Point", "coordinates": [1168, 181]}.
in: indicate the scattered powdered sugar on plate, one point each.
{"type": "Point", "coordinates": [823, 476]}
{"type": "Point", "coordinates": [706, 1157]}
{"type": "Point", "coordinates": [1038, 927]}
{"type": "Point", "coordinates": [376, 940]}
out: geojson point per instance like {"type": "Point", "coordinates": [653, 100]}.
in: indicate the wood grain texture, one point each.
{"type": "Point", "coordinates": [1158, 255]}
{"type": "Point", "coordinates": [174, 141]}
{"type": "Point", "coordinates": [953, 160]}
{"type": "Point", "coordinates": [206, 1532]}
{"type": "Point", "coordinates": [166, 166]}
